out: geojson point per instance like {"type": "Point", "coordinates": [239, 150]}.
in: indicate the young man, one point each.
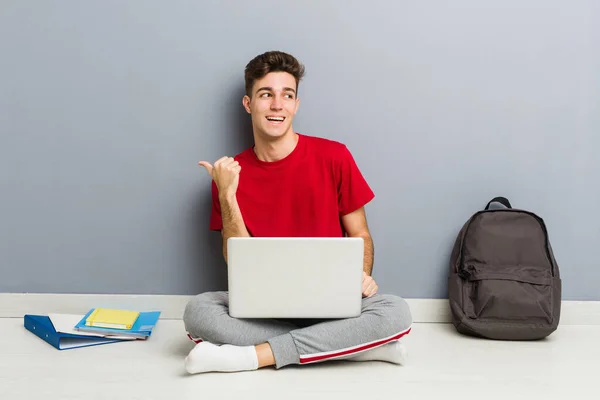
{"type": "Point", "coordinates": [289, 184]}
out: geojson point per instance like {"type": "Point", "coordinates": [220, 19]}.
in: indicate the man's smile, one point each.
{"type": "Point", "coordinates": [275, 120]}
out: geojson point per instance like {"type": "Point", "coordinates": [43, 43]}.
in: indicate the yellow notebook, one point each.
{"type": "Point", "coordinates": [113, 319]}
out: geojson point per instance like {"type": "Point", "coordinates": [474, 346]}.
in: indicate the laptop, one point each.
{"type": "Point", "coordinates": [295, 277]}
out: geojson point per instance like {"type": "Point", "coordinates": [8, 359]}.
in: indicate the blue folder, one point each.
{"type": "Point", "coordinates": [141, 329]}
{"type": "Point", "coordinates": [42, 327]}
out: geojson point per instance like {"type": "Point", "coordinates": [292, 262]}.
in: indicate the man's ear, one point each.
{"type": "Point", "coordinates": [246, 103]}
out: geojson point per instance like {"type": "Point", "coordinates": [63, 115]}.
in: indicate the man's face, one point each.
{"type": "Point", "coordinates": [273, 105]}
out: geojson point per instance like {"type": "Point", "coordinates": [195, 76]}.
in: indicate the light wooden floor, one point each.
{"type": "Point", "coordinates": [441, 365]}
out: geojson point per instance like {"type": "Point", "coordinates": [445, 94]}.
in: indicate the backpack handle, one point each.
{"type": "Point", "coordinates": [502, 200]}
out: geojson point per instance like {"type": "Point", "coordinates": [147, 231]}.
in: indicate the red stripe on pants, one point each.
{"type": "Point", "coordinates": [309, 358]}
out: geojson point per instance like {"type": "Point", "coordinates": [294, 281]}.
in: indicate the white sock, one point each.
{"type": "Point", "coordinates": [207, 357]}
{"type": "Point", "coordinates": [393, 352]}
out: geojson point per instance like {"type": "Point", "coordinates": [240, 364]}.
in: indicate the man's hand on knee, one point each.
{"type": "Point", "coordinates": [369, 286]}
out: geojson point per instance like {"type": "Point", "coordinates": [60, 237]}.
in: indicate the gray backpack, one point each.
{"type": "Point", "coordinates": [504, 282]}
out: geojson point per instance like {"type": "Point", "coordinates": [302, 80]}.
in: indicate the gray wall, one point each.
{"type": "Point", "coordinates": [106, 107]}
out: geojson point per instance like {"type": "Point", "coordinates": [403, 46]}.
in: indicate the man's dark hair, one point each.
{"type": "Point", "coordinates": [272, 61]}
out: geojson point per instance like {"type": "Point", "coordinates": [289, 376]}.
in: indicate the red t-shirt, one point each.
{"type": "Point", "coordinates": [301, 195]}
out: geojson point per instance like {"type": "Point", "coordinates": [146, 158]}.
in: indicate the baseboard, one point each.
{"type": "Point", "coordinates": [15, 305]}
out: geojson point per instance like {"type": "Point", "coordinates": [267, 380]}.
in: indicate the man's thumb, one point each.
{"type": "Point", "coordinates": [206, 165]}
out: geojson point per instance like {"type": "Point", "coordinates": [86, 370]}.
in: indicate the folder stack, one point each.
{"type": "Point", "coordinates": [118, 322]}
{"type": "Point", "coordinates": [97, 326]}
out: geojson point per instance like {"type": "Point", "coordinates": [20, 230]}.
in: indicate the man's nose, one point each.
{"type": "Point", "coordinates": [276, 103]}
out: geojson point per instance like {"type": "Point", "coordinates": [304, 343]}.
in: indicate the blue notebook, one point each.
{"type": "Point", "coordinates": [141, 329]}
{"type": "Point", "coordinates": [42, 327]}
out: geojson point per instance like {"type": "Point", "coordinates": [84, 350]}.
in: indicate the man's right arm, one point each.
{"type": "Point", "coordinates": [226, 174]}
{"type": "Point", "coordinates": [233, 222]}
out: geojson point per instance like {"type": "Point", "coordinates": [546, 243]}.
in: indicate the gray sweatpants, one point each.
{"type": "Point", "coordinates": [384, 318]}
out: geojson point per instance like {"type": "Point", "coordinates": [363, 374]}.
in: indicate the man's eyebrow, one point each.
{"type": "Point", "coordinates": [268, 88]}
{"type": "Point", "coordinates": [264, 88]}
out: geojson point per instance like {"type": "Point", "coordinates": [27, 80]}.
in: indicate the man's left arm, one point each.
{"type": "Point", "coordinates": [355, 225]}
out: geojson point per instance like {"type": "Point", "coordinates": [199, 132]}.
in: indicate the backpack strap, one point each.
{"type": "Point", "coordinates": [502, 200]}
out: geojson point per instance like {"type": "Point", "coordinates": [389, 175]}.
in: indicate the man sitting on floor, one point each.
{"type": "Point", "coordinates": [292, 185]}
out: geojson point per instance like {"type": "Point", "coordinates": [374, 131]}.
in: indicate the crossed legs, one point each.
{"type": "Point", "coordinates": [228, 344]}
